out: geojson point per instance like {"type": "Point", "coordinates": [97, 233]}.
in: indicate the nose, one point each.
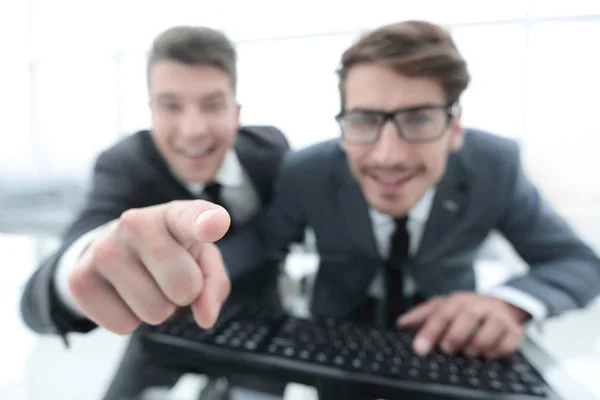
{"type": "Point", "coordinates": [390, 149]}
{"type": "Point", "coordinates": [193, 124]}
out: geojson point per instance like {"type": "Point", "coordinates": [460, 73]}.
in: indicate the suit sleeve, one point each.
{"type": "Point", "coordinates": [564, 271]}
{"type": "Point", "coordinates": [111, 194]}
{"type": "Point", "coordinates": [268, 236]}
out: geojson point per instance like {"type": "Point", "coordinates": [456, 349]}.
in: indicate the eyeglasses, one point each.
{"type": "Point", "coordinates": [414, 124]}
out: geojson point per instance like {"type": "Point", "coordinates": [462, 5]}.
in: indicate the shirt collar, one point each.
{"type": "Point", "coordinates": [230, 174]}
{"type": "Point", "coordinates": [419, 212]}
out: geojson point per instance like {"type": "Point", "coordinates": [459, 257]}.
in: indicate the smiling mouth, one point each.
{"type": "Point", "coordinates": [392, 182]}
{"type": "Point", "coordinates": [196, 154]}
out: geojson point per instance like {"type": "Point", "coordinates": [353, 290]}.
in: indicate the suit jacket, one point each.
{"type": "Point", "coordinates": [484, 180]}
{"type": "Point", "coordinates": [133, 174]}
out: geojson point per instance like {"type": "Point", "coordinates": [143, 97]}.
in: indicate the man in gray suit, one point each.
{"type": "Point", "coordinates": [401, 205]}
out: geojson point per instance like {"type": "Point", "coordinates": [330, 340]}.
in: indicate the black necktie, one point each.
{"type": "Point", "coordinates": [214, 192]}
{"type": "Point", "coordinates": [394, 276]}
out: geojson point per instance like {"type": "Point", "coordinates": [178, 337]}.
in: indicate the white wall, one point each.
{"type": "Point", "coordinates": [73, 76]}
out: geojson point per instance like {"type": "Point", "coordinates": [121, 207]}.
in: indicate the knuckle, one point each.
{"type": "Point", "coordinates": [224, 285]}
{"type": "Point", "coordinates": [434, 327]}
{"type": "Point", "coordinates": [505, 349]}
{"type": "Point", "coordinates": [473, 311]}
{"type": "Point", "coordinates": [159, 251]}
{"type": "Point", "coordinates": [79, 282]}
{"type": "Point", "coordinates": [122, 327]}
{"type": "Point", "coordinates": [458, 295]}
{"type": "Point", "coordinates": [516, 333]}
{"type": "Point", "coordinates": [159, 314]}
{"type": "Point", "coordinates": [481, 342]}
{"type": "Point", "coordinates": [443, 316]}
{"type": "Point", "coordinates": [178, 208]}
{"type": "Point", "coordinates": [104, 251]}
{"type": "Point", "coordinates": [510, 344]}
{"type": "Point", "coordinates": [453, 340]}
{"type": "Point", "coordinates": [184, 288]}
{"type": "Point", "coordinates": [108, 263]}
{"type": "Point", "coordinates": [132, 221]}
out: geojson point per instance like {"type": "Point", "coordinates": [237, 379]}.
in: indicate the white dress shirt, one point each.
{"type": "Point", "coordinates": [237, 192]}
{"type": "Point", "coordinates": [383, 228]}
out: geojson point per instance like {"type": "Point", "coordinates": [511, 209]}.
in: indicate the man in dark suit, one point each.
{"type": "Point", "coordinates": [401, 205]}
{"type": "Point", "coordinates": [136, 252]}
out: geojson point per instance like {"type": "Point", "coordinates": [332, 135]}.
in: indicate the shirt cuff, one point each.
{"type": "Point", "coordinates": [526, 302]}
{"type": "Point", "coordinates": [69, 261]}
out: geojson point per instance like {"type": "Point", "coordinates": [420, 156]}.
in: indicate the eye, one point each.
{"type": "Point", "coordinates": [362, 119]}
{"type": "Point", "coordinates": [418, 118]}
{"type": "Point", "coordinates": [214, 106]}
{"type": "Point", "coordinates": [170, 107]}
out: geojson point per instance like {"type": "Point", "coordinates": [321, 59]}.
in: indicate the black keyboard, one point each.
{"type": "Point", "coordinates": [254, 340]}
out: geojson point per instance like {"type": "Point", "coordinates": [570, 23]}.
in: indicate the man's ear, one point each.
{"type": "Point", "coordinates": [238, 113]}
{"type": "Point", "coordinates": [456, 132]}
{"type": "Point", "coordinates": [342, 145]}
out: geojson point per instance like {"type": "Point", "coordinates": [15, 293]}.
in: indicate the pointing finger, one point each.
{"type": "Point", "coordinates": [217, 286]}
{"type": "Point", "coordinates": [197, 220]}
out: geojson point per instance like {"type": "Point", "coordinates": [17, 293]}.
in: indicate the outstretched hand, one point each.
{"type": "Point", "coordinates": [153, 261]}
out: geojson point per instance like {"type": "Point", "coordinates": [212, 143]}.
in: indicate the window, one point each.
{"type": "Point", "coordinates": [563, 139]}
{"type": "Point", "coordinates": [495, 99]}
{"type": "Point", "coordinates": [532, 80]}
{"type": "Point", "coordinates": [76, 104]}
{"type": "Point", "coordinates": [142, 20]}
{"type": "Point", "coordinates": [562, 8]}
{"type": "Point", "coordinates": [16, 146]}
{"type": "Point", "coordinates": [316, 17]}
{"type": "Point", "coordinates": [14, 28]}
{"type": "Point", "coordinates": [292, 84]}
{"type": "Point", "coordinates": [135, 114]}
{"type": "Point", "coordinates": [107, 26]}
{"type": "Point", "coordinates": [17, 157]}
{"type": "Point", "coordinates": [70, 27]}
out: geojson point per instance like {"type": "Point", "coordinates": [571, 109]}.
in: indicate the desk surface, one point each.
{"type": "Point", "coordinates": [557, 374]}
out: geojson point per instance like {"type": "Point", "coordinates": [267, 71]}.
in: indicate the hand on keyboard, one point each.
{"type": "Point", "coordinates": [471, 323]}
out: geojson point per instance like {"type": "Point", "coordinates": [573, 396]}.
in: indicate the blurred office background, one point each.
{"type": "Point", "coordinates": [72, 82]}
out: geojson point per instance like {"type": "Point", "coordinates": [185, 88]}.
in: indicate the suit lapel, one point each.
{"type": "Point", "coordinates": [449, 204]}
{"type": "Point", "coordinates": [355, 211]}
{"type": "Point", "coordinates": [257, 163]}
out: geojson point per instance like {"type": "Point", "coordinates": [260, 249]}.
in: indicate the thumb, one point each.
{"type": "Point", "coordinates": [212, 224]}
{"type": "Point", "coordinates": [196, 221]}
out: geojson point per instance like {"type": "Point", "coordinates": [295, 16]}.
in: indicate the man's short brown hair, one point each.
{"type": "Point", "coordinates": [195, 45]}
{"type": "Point", "coordinates": [411, 48]}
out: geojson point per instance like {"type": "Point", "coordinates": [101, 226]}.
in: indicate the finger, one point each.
{"type": "Point", "coordinates": [136, 287]}
{"type": "Point", "coordinates": [461, 330]}
{"type": "Point", "coordinates": [419, 314]}
{"type": "Point", "coordinates": [100, 302]}
{"type": "Point", "coordinates": [509, 343]}
{"type": "Point", "coordinates": [432, 331]}
{"type": "Point", "coordinates": [172, 267]}
{"type": "Point", "coordinates": [487, 337]}
{"type": "Point", "coordinates": [197, 220]}
{"type": "Point", "coordinates": [217, 286]}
